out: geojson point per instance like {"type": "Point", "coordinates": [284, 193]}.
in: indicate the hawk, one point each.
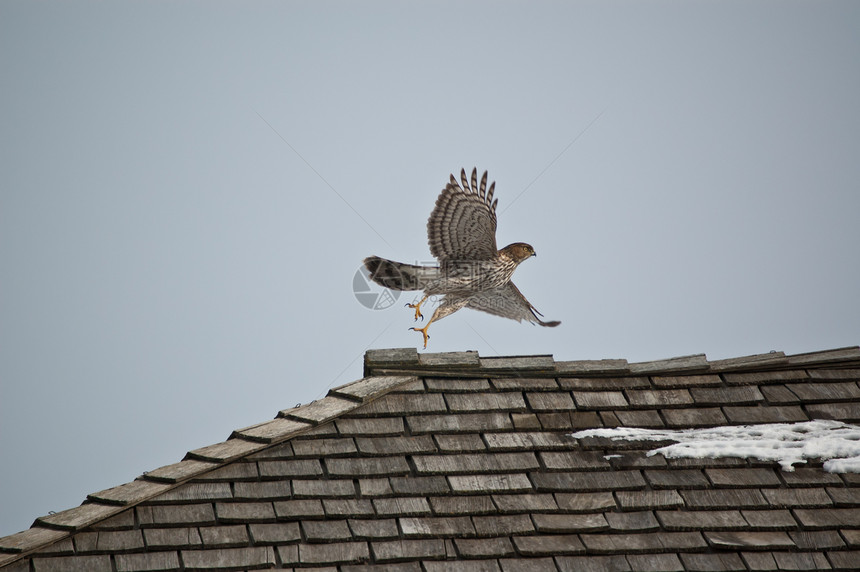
{"type": "Point", "coordinates": [472, 273]}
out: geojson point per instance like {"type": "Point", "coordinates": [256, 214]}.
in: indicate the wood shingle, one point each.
{"type": "Point", "coordinates": [457, 462]}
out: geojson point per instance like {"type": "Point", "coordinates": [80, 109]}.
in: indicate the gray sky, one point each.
{"type": "Point", "coordinates": [187, 190]}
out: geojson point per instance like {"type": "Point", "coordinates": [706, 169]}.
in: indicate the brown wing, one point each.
{"type": "Point", "coordinates": [462, 225]}
{"type": "Point", "coordinates": [507, 302]}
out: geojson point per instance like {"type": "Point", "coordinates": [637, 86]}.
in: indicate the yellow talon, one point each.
{"type": "Point", "coordinates": [424, 333]}
{"type": "Point", "coordinates": [417, 308]}
{"type": "Point", "coordinates": [418, 313]}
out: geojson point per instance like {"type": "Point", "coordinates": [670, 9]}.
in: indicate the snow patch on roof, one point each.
{"type": "Point", "coordinates": [834, 442]}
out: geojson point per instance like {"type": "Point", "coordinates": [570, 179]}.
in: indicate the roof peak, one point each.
{"type": "Point", "coordinates": [408, 361]}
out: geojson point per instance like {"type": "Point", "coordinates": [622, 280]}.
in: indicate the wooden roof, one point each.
{"type": "Point", "coordinates": [456, 462]}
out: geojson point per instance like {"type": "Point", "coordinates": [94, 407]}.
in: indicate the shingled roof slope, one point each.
{"type": "Point", "coordinates": [457, 462]}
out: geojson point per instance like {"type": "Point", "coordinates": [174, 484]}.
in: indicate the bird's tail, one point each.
{"type": "Point", "coordinates": [400, 276]}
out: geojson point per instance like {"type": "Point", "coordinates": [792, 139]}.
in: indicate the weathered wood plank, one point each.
{"type": "Point", "coordinates": [370, 387]}
{"type": "Point", "coordinates": [691, 363]}
{"type": "Point", "coordinates": [78, 517]}
{"type": "Point", "coordinates": [319, 411]}
{"type": "Point", "coordinates": [30, 539]}
{"type": "Point", "coordinates": [129, 493]}
{"type": "Point", "coordinates": [226, 451]}
{"type": "Point", "coordinates": [271, 431]}
{"type": "Point", "coordinates": [178, 471]}
{"type": "Point", "coordinates": [592, 367]}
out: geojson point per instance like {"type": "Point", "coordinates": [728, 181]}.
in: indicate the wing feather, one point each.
{"type": "Point", "coordinates": [462, 225]}
{"type": "Point", "coordinates": [508, 302]}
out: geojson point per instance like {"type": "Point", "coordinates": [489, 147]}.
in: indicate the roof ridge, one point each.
{"type": "Point", "coordinates": [288, 423]}
{"type": "Point", "coordinates": [471, 364]}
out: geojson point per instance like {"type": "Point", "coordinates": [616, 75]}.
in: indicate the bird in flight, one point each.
{"type": "Point", "coordinates": [472, 272]}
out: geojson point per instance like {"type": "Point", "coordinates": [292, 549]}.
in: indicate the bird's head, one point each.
{"type": "Point", "coordinates": [519, 251]}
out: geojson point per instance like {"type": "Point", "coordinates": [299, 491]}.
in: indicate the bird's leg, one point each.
{"type": "Point", "coordinates": [418, 313]}
{"type": "Point", "coordinates": [437, 315]}
{"type": "Point", "coordinates": [446, 308]}
{"type": "Point", "coordinates": [424, 331]}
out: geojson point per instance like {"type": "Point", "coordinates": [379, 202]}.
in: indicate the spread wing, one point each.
{"type": "Point", "coordinates": [462, 225]}
{"type": "Point", "coordinates": [508, 302]}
